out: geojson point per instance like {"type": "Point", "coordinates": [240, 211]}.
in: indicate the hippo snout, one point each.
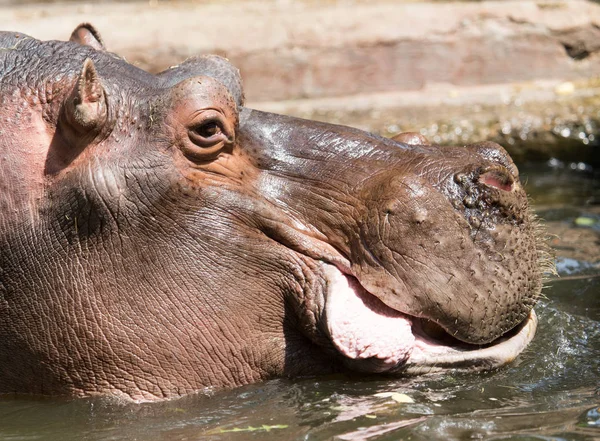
{"type": "Point", "coordinates": [441, 246]}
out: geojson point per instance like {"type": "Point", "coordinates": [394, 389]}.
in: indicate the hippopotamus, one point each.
{"type": "Point", "coordinates": [158, 237]}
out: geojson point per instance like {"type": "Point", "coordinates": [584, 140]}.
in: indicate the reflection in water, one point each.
{"type": "Point", "coordinates": [550, 392]}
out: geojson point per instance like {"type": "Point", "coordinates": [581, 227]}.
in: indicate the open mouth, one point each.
{"type": "Point", "coordinates": [376, 338]}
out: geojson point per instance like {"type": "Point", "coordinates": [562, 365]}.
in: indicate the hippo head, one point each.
{"type": "Point", "coordinates": [158, 237]}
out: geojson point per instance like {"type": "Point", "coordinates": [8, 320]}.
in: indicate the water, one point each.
{"type": "Point", "coordinates": [551, 392]}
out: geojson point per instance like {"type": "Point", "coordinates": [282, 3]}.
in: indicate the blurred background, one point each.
{"type": "Point", "coordinates": [525, 74]}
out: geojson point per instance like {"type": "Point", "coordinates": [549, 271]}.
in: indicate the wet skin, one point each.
{"type": "Point", "coordinates": [157, 237]}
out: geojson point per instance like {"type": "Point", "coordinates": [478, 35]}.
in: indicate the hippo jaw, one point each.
{"type": "Point", "coordinates": [372, 337]}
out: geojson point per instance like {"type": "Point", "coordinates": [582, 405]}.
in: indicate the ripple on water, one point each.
{"type": "Point", "coordinates": [569, 266]}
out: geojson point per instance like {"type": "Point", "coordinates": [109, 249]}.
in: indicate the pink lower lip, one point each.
{"type": "Point", "coordinates": [362, 327]}
{"type": "Point", "coordinates": [365, 330]}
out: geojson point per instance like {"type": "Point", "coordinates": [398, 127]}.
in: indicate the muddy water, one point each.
{"type": "Point", "coordinates": [550, 392]}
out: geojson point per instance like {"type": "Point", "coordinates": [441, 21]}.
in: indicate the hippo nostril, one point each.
{"type": "Point", "coordinates": [495, 153]}
{"type": "Point", "coordinates": [498, 178]}
{"type": "Point", "coordinates": [411, 138]}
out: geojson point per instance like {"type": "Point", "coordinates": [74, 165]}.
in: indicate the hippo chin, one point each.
{"type": "Point", "coordinates": [157, 237]}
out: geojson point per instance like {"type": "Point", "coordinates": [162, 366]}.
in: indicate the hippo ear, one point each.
{"type": "Point", "coordinates": [87, 35]}
{"type": "Point", "coordinates": [86, 108]}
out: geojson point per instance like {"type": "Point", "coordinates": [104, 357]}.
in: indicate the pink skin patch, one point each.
{"type": "Point", "coordinates": [363, 327]}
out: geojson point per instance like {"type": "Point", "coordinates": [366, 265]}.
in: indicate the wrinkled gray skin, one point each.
{"type": "Point", "coordinates": [148, 250]}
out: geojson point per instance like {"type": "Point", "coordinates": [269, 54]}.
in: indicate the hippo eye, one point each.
{"type": "Point", "coordinates": [208, 132]}
{"type": "Point", "coordinates": [208, 129]}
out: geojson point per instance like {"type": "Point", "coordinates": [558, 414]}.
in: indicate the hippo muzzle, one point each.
{"type": "Point", "coordinates": [157, 237]}
{"type": "Point", "coordinates": [436, 254]}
